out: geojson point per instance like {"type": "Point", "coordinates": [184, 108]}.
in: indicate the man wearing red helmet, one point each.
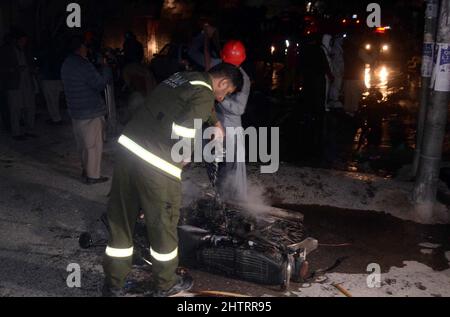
{"type": "Point", "coordinates": [232, 176]}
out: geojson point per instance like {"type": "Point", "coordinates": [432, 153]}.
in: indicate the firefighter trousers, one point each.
{"type": "Point", "coordinates": [135, 187]}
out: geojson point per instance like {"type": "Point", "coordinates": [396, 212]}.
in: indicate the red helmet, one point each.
{"type": "Point", "coordinates": [234, 53]}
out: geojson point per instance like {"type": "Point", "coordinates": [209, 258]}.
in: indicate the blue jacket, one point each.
{"type": "Point", "coordinates": [83, 86]}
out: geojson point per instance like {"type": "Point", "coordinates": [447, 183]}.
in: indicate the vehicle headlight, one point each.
{"type": "Point", "coordinates": [385, 48]}
{"type": "Point", "coordinates": [368, 47]}
{"type": "Point", "coordinates": [272, 49]}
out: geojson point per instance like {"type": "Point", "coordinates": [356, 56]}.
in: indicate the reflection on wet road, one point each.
{"type": "Point", "coordinates": [385, 77]}
{"type": "Point", "coordinates": [394, 116]}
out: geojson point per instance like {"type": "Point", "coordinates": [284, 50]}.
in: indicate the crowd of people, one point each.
{"type": "Point", "coordinates": [145, 179]}
{"type": "Point", "coordinates": [330, 69]}
{"type": "Point", "coordinates": [75, 73]}
{"type": "Point", "coordinates": [218, 89]}
{"type": "Point", "coordinates": [332, 76]}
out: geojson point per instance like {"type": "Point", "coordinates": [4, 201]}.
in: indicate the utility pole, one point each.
{"type": "Point", "coordinates": [429, 39]}
{"type": "Point", "coordinates": [427, 179]}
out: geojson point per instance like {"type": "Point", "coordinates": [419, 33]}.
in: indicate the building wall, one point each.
{"type": "Point", "coordinates": [173, 24]}
{"type": "Point", "coordinates": [122, 18]}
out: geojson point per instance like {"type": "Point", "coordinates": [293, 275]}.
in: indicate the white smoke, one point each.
{"type": "Point", "coordinates": [257, 202]}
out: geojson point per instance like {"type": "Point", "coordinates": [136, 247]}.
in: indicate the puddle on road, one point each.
{"type": "Point", "coordinates": [370, 237]}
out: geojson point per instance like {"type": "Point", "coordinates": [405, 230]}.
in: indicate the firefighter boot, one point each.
{"type": "Point", "coordinates": [183, 283]}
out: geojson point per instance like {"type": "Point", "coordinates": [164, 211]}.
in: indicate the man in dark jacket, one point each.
{"type": "Point", "coordinates": [18, 72]}
{"type": "Point", "coordinates": [83, 86]}
{"type": "Point", "coordinates": [50, 73]}
{"type": "Point", "coordinates": [133, 50]}
{"type": "Point", "coordinates": [4, 110]}
{"type": "Point", "coordinates": [51, 60]}
{"type": "Point", "coordinates": [204, 50]}
{"type": "Point", "coordinates": [315, 69]}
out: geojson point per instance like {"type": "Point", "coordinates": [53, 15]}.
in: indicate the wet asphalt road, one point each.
{"type": "Point", "coordinates": [45, 208]}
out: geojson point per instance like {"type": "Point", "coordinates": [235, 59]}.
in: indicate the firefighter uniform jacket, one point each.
{"type": "Point", "coordinates": [173, 105]}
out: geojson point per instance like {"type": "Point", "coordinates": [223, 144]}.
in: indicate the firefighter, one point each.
{"type": "Point", "coordinates": [145, 176]}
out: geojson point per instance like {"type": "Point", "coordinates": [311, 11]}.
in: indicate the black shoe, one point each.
{"type": "Point", "coordinates": [92, 181]}
{"type": "Point", "coordinates": [184, 283]}
{"type": "Point", "coordinates": [112, 291]}
{"type": "Point", "coordinates": [20, 138]}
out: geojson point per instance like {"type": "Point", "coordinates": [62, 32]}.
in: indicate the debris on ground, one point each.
{"type": "Point", "coordinates": [266, 248]}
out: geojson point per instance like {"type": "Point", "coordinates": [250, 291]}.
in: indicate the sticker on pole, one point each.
{"type": "Point", "coordinates": [442, 70]}
{"type": "Point", "coordinates": [427, 59]}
